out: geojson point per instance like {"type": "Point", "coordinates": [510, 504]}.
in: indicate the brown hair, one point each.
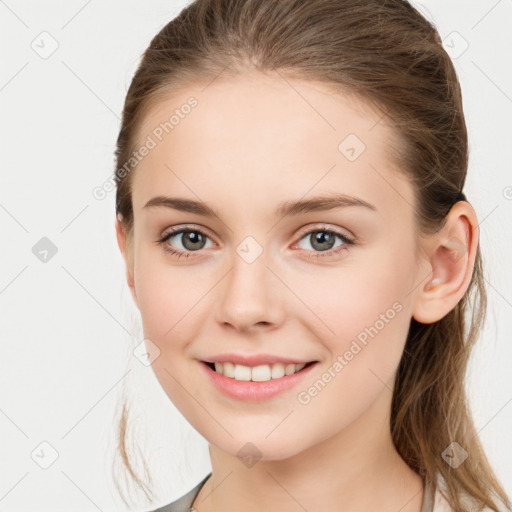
{"type": "Point", "coordinates": [387, 53]}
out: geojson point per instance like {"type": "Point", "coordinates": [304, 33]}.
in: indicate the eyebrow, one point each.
{"type": "Point", "coordinates": [285, 209]}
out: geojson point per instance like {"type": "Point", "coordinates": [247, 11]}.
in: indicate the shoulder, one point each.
{"type": "Point", "coordinates": [184, 503]}
{"type": "Point", "coordinates": [442, 505]}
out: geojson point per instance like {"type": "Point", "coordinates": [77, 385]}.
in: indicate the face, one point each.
{"type": "Point", "coordinates": [333, 283]}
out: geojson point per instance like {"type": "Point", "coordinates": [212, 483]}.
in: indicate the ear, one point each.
{"type": "Point", "coordinates": [451, 254]}
{"type": "Point", "coordinates": [125, 243]}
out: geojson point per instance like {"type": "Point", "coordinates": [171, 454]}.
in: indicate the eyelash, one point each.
{"type": "Point", "coordinates": [318, 254]}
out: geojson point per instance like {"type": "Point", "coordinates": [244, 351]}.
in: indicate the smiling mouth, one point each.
{"type": "Point", "coordinates": [259, 373]}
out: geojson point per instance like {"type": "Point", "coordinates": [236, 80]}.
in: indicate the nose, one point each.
{"type": "Point", "coordinates": [249, 297]}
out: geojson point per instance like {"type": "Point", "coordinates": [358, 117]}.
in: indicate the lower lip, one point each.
{"type": "Point", "coordinates": [253, 391]}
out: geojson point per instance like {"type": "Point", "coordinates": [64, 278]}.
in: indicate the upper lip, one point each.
{"type": "Point", "coordinates": [253, 359]}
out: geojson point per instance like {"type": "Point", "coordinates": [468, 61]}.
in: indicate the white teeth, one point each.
{"type": "Point", "coordinates": [277, 371]}
{"type": "Point", "coordinates": [289, 369]}
{"type": "Point", "coordinates": [242, 372]}
{"type": "Point", "coordinates": [260, 373]}
{"type": "Point", "coordinates": [229, 369]}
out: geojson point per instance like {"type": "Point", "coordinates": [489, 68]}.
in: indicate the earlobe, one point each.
{"type": "Point", "coordinates": [125, 246]}
{"type": "Point", "coordinates": [452, 253]}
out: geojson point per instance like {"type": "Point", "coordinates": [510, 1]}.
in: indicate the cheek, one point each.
{"type": "Point", "coordinates": [370, 319]}
{"type": "Point", "coordinates": [168, 296]}
{"type": "Point", "coordinates": [169, 304]}
{"type": "Point", "coordinates": [362, 311]}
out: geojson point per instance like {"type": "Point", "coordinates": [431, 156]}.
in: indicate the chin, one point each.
{"type": "Point", "coordinates": [251, 449]}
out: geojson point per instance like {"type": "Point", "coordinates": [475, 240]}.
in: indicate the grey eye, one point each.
{"type": "Point", "coordinates": [191, 240]}
{"type": "Point", "coordinates": [322, 240]}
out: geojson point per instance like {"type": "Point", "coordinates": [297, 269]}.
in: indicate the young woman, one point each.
{"type": "Point", "coordinates": [290, 210]}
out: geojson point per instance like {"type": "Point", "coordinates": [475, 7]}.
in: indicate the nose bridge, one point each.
{"type": "Point", "coordinates": [249, 290]}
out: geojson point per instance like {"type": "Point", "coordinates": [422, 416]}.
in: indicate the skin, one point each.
{"type": "Point", "coordinates": [252, 142]}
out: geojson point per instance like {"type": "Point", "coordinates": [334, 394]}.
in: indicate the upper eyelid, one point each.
{"type": "Point", "coordinates": [327, 227]}
{"type": "Point", "coordinates": [188, 227]}
{"type": "Point", "coordinates": [172, 232]}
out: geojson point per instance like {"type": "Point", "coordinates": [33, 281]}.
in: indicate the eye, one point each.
{"type": "Point", "coordinates": [323, 240]}
{"type": "Point", "coordinates": [191, 240]}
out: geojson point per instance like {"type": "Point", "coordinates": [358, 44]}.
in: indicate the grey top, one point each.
{"type": "Point", "coordinates": [184, 503]}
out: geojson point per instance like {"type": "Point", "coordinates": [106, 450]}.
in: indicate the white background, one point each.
{"type": "Point", "coordinates": [68, 325]}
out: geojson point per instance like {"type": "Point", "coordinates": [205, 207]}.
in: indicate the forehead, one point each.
{"type": "Point", "coordinates": [266, 135]}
